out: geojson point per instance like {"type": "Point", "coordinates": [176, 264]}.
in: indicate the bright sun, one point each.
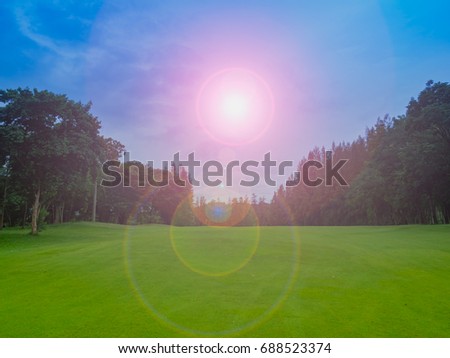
{"type": "Point", "coordinates": [235, 106]}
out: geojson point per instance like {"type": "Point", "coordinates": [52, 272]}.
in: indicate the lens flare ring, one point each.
{"type": "Point", "coordinates": [221, 227]}
{"type": "Point", "coordinates": [183, 329]}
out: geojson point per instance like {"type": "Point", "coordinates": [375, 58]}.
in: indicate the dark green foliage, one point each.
{"type": "Point", "coordinates": [50, 149]}
{"type": "Point", "coordinates": [398, 174]}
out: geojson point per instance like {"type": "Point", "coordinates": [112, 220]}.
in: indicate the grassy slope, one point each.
{"type": "Point", "coordinates": [98, 280]}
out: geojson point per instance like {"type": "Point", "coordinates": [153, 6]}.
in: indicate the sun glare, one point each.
{"type": "Point", "coordinates": [235, 106]}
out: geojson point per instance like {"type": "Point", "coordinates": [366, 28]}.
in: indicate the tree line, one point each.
{"type": "Point", "coordinates": [399, 173]}
{"type": "Point", "coordinates": [51, 152]}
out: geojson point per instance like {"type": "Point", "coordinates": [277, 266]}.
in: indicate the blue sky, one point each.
{"type": "Point", "coordinates": [334, 67]}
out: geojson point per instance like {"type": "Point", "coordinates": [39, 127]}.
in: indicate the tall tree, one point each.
{"type": "Point", "coordinates": [55, 137]}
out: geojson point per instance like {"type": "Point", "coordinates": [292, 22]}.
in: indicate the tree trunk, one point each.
{"type": "Point", "coordinates": [94, 203]}
{"type": "Point", "coordinates": [2, 215]}
{"type": "Point", "coordinates": [59, 213]}
{"type": "Point", "coordinates": [25, 215]}
{"type": "Point", "coordinates": [35, 212]}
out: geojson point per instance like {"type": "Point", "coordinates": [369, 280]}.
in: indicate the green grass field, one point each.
{"type": "Point", "coordinates": [99, 280]}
